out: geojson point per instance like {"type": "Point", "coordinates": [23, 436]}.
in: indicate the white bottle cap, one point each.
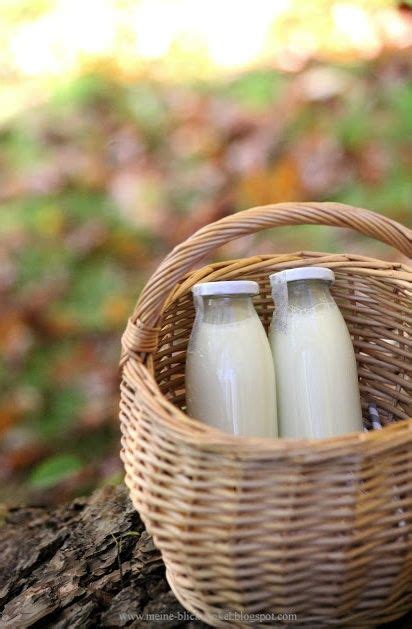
{"type": "Point", "coordinates": [235, 287]}
{"type": "Point", "coordinates": [303, 273]}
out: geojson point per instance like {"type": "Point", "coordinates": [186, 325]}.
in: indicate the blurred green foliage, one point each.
{"type": "Point", "coordinates": [101, 181]}
{"type": "Point", "coordinates": [54, 470]}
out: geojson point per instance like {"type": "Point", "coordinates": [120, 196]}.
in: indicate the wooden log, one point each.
{"type": "Point", "coordinates": [86, 564]}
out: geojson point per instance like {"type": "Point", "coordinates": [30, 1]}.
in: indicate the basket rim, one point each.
{"type": "Point", "coordinates": [174, 423]}
{"type": "Point", "coordinates": [292, 260]}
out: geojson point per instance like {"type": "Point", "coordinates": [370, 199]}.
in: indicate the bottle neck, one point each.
{"type": "Point", "coordinates": [225, 309]}
{"type": "Point", "coordinates": [308, 293]}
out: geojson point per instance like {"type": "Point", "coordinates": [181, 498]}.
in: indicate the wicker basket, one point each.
{"type": "Point", "coordinates": [320, 529]}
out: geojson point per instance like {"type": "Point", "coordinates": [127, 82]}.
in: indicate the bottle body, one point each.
{"type": "Point", "coordinates": [230, 378]}
{"type": "Point", "coordinates": [317, 384]}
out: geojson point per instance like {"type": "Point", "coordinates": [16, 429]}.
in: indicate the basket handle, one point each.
{"type": "Point", "coordinates": [141, 332]}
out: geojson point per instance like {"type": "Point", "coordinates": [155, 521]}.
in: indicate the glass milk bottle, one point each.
{"type": "Point", "coordinates": [317, 383]}
{"type": "Point", "coordinates": [230, 378]}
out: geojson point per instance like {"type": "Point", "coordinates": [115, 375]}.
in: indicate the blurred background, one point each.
{"type": "Point", "coordinates": [127, 124]}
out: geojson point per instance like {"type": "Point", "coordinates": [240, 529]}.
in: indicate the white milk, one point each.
{"type": "Point", "coordinates": [317, 385]}
{"type": "Point", "coordinates": [230, 379]}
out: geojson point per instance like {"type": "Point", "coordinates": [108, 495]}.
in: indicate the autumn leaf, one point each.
{"type": "Point", "coordinates": [279, 182]}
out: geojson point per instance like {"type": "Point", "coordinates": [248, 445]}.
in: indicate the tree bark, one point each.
{"type": "Point", "coordinates": [86, 564]}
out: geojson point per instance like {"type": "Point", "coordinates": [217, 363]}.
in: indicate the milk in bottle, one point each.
{"type": "Point", "coordinates": [230, 378]}
{"type": "Point", "coordinates": [317, 384]}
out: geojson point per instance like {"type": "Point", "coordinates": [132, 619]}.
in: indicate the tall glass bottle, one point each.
{"type": "Point", "coordinates": [230, 378]}
{"type": "Point", "coordinates": [317, 383]}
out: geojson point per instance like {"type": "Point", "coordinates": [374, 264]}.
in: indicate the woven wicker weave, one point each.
{"type": "Point", "coordinates": [320, 529]}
